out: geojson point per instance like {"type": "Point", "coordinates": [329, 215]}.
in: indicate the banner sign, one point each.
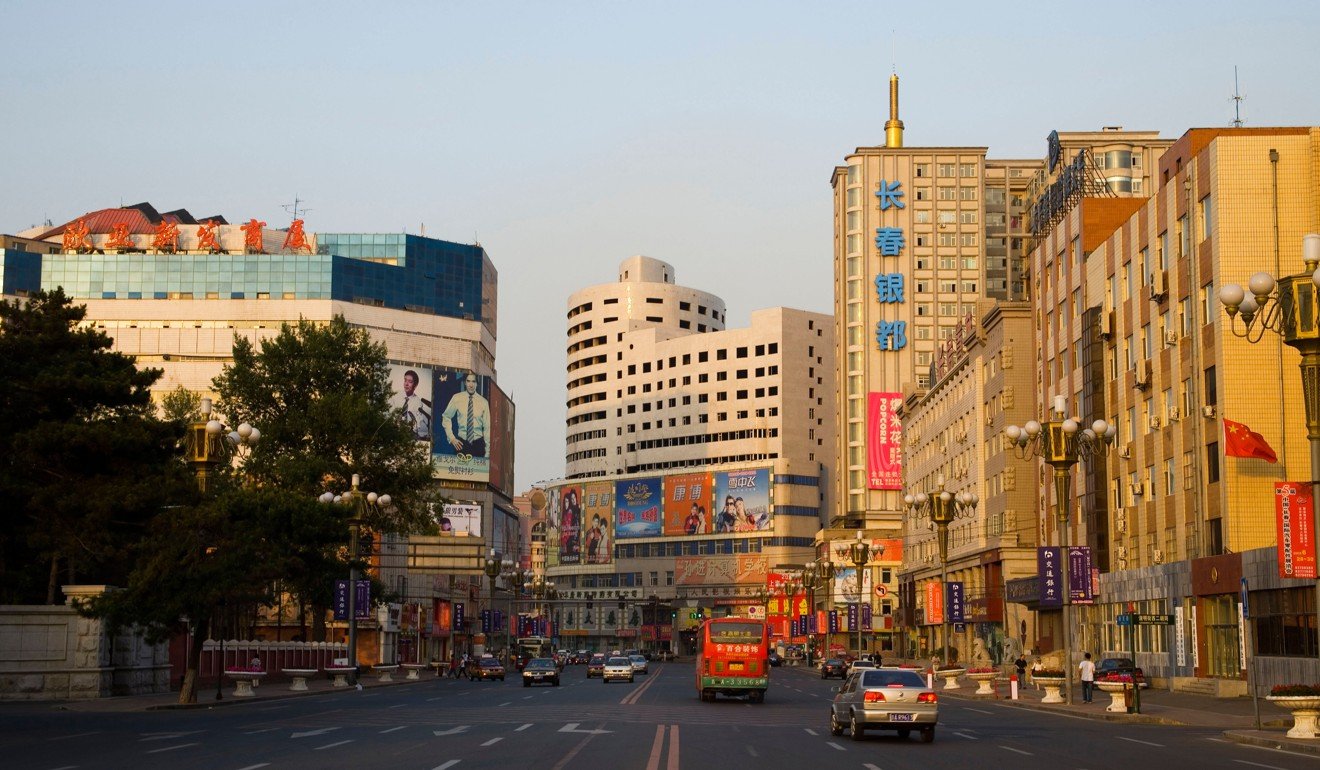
{"type": "Point", "coordinates": [460, 619]}
{"type": "Point", "coordinates": [866, 618]}
{"type": "Point", "coordinates": [834, 621]}
{"type": "Point", "coordinates": [854, 616]}
{"type": "Point", "coordinates": [637, 508]}
{"type": "Point", "coordinates": [884, 441]}
{"type": "Point", "coordinates": [1050, 569]}
{"type": "Point", "coordinates": [1293, 517]}
{"type": "Point", "coordinates": [934, 603]}
{"type": "Point", "coordinates": [956, 603]}
{"type": "Point", "coordinates": [1080, 567]}
{"type": "Point", "coordinates": [362, 606]}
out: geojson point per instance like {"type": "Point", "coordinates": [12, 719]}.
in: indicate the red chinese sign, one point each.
{"type": "Point", "coordinates": [166, 237]}
{"type": "Point", "coordinates": [934, 602]}
{"type": "Point", "coordinates": [884, 441]}
{"type": "Point", "coordinates": [297, 239]}
{"type": "Point", "coordinates": [252, 232]}
{"type": "Point", "coordinates": [206, 235]}
{"type": "Point", "coordinates": [1293, 512]}
{"type": "Point", "coordinates": [119, 237]}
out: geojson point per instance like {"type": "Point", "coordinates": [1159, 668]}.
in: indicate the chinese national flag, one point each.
{"type": "Point", "coordinates": [1241, 441]}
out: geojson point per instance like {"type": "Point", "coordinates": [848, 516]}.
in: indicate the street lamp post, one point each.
{"type": "Point", "coordinates": [861, 553]}
{"type": "Point", "coordinates": [810, 581]}
{"type": "Point", "coordinates": [655, 624]}
{"type": "Point", "coordinates": [492, 566]}
{"type": "Point", "coordinates": [1061, 442]}
{"type": "Point", "coordinates": [623, 605]}
{"type": "Point", "coordinates": [1292, 312]}
{"type": "Point", "coordinates": [943, 507]}
{"type": "Point", "coordinates": [362, 504]}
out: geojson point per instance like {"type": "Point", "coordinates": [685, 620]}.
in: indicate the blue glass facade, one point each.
{"type": "Point", "coordinates": [418, 274]}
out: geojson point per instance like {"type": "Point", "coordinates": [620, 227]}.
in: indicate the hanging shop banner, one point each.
{"type": "Point", "coordinates": [637, 508]}
{"type": "Point", "coordinates": [1080, 567]}
{"type": "Point", "coordinates": [1049, 566]}
{"type": "Point", "coordinates": [362, 606]}
{"type": "Point", "coordinates": [743, 498]}
{"type": "Point", "coordinates": [884, 441]}
{"type": "Point", "coordinates": [687, 504]}
{"type": "Point", "coordinates": [567, 524]}
{"type": "Point", "coordinates": [460, 618]}
{"type": "Point", "coordinates": [1293, 512]}
{"type": "Point", "coordinates": [597, 524]}
{"type": "Point", "coordinates": [934, 603]}
{"type": "Point", "coordinates": [955, 602]}
{"type": "Point", "coordinates": [867, 618]}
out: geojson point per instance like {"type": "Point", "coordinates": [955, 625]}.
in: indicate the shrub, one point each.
{"type": "Point", "coordinates": [1047, 672]}
{"type": "Point", "coordinates": [1284, 690]}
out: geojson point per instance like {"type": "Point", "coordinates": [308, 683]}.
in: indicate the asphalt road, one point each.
{"type": "Point", "coordinates": [657, 723]}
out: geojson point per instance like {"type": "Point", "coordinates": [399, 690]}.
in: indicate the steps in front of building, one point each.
{"type": "Point", "coordinates": [1215, 688]}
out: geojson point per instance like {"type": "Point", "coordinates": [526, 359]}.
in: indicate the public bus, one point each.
{"type": "Point", "coordinates": [534, 647]}
{"type": "Point", "coordinates": [733, 658]}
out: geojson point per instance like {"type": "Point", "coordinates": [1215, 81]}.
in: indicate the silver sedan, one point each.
{"type": "Point", "coordinates": [885, 699]}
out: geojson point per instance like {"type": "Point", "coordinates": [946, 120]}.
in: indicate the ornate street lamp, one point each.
{"type": "Point", "coordinates": [1293, 313]}
{"type": "Point", "coordinates": [1061, 442]}
{"type": "Point", "coordinates": [210, 443]}
{"type": "Point", "coordinates": [362, 505]}
{"type": "Point", "coordinates": [492, 566]}
{"type": "Point", "coordinates": [943, 507]}
{"type": "Point", "coordinates": [623, 605]}
{"type": "Point", "coordinates": [862, 553]}
{"type": "Point", "coordinates": [811, 580]}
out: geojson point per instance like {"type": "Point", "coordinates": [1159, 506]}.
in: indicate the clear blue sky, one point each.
{"type": "Point", "coordinates": [566, 136]}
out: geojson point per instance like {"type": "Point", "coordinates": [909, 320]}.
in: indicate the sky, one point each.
{"type": "Point", "coordinates": [567, 136]}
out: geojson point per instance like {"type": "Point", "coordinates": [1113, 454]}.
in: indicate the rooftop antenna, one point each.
{"type": "Point", "coordinates": [423, 229]}
{"type": "Point", "coordinates": [1237, 101]}
{"type": "Point", "coordinates": [293, 208]}
{"type": "Point", "coordinates": [893, 51]}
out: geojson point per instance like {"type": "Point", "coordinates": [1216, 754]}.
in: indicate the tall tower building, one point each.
{"type": "Point", "coordinates": [915, 230]}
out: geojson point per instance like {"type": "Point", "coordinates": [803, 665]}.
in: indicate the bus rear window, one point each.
{"type": "Point", "coordinates": [736, 633]}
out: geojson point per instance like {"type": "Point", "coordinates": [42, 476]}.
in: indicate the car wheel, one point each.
{"type": "Point", "coordinates": [556, 683]}
{"type": "Point", "coordinates": [904, 733]}
{"type": "Point", "coordinates": [858, 732]}
{"type": "Point", "coordinates": [928, 735]}
{"type": "Point", "coordinates": [836, 727]}
{"type": "Point", "coordinates": [526, 683]}
{"type": "Point", "coordinates": [630, 680]}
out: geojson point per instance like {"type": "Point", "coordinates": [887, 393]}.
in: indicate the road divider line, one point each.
{"type": "Point", "coordinates": [673, 747]}
{"type": "Point", "coordinates": [447, 765]}
{"type": "Point", "coordinates": [75, 735]}
{"type": "Point", "coordinates": [835, 745]}
{"type": "Point", "coordinates": [573, 752]}
{"type": "Point", "coordinates": [1257, 764]}
{"type": "Point", "coordinates": [493, 741]}
{"type": "Point", "coordinates": [254, 767]}
{"type": "Point", "coordinates": [1134, 740]}
{"type": "Point", "coordinates": [332, 745]}
{"type": "Point", "coordinates": [968, 737]}
{"type": "Point", "coordinates": [810, 731]}
{"type": "Point", "coordinates": [1019, 751]}
{"type": "Point", "coordinates": [262, 730]}
{"type": "Point", "coordinates": [392, 729]}
{"type": "Point", "coordinates": [505, 703]}
{"type": "Point", "coordinates": [172, 748]}
{"type": "Point", "coordinates": [657, 745]}
{"type": "Point", "coordinates": [979, 711]}
{"type": "Point", "coordinates": [524, 727]}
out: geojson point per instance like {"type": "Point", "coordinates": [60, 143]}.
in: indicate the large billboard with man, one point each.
{"type": "Point", "coordinates": [462, 439]}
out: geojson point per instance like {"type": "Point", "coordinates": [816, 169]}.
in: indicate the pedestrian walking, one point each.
{"type": "Point", "coordinates": [1021, 665]}
{"type": "Point", "coordinates": [1087, 667]}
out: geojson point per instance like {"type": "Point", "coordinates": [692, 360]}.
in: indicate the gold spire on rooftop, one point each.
{"type": "Point", "coordinates": [893, 126]}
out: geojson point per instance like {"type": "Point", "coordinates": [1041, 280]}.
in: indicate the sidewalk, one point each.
{"type": "Point", "coordinates": [1234, 716]}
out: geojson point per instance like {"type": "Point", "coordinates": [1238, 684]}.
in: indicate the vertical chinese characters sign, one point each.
{"type": "Point", "coordinates": [1080, 564]}
{"type": "Point", "coordinates": [956, 603]}
{"type": "Point", "coordinates": [934, 602]}
{"type": "Point", "coordinates": [884, 441]}
{"type": "Point", "coordinates": [1051, 577]}
{"type": "Point", "coordinates": [1292, 520]}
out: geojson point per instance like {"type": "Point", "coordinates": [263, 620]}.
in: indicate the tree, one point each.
{"type": "Point", "coordinates": [320, 394]}
{"type": "Point", "coordinates": [84, 463]}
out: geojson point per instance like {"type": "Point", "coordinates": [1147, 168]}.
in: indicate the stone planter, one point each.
{"type": "Point", "coordinates": [1117, 695]}
{"type": "Point", "coordinates": [1305, 710]}
{"type": "Point", "coordinates": [1052, 685]}
{"type": "Point", "coordinates": [985, 682]}
{"type": "Point", "coordinates": [414, 670]}
{"type": "Point", "coordinates": [244, 681]}
{"type": "Point", "coordinates": [299, 676]}
{"type": "Point", "coordinates": [950, 677]}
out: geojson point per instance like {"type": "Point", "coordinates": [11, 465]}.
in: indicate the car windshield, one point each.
{"type": "Point", "coordinates": [1117, 663]}
{"type": "Point", "coordinates": [597, 658]}
{"type": "Point", "coordinates": [541, 663]}
{"type": "Point", "coordinates": [883, 678]}
{"type": "Point", "coordinates": [636, 657]}
{"type": "Point", "coordinates": [736, 633]}
{"type": "Point", "coordinates": [490, 663]}
{"type": "Point", "coordinates": [833, 662]}
{"type": "Point", "coordinates": [620, 662]}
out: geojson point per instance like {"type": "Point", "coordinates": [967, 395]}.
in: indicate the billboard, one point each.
{"type": "Point", "coordinates": [720, 570]}
{"type": "Point", "coordinates": [743, 498]}
{"type": "Point", "coordinates": [845, 588]}
{"type": "Point", "coordinates": [1292, 524]}
{"type": "Point", "coordinates": [687, 504]}
{"type": "Point", "coordinates": [501, 440]}
{"type": "Point", "coordinates": [462, 435]}
{"type": "Point", "coordinates": [411, 396]}
{"type": "Point", "coordinates": [884, 441]}
{"type": "Point", "coordinates": [637, 508]}
{"type": "Point", "coordinates": [464, 518]}
{"type": "Point", "coordinates": [552, 532]}
{"type": "Point", "coordinates": [566, 524]}
{"type": "Point", "coordinates": [597, 516]}
{"type": "Point", "coordinates": [504, 526]}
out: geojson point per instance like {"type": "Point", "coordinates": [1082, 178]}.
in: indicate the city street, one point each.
{"type": "Point", "coordinates": [656, 723]}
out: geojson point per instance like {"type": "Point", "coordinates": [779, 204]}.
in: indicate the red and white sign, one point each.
{"type": "Point", "coordinates": [934, 602]}
{"type": "Point", "coordinates": [884, 441]}
{"type": "Point", "coordinates": [1293, 516]}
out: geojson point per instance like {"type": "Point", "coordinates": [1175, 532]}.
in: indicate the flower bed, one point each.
{"type": "Point", "coordinates": [982, 670]}
{"type": "Point", "coordinates": [1293, 690]}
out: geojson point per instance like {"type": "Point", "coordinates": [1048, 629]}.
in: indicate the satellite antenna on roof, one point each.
{"type": "Point", "coordinates": [1237, 101]}
{"type": "Point", "coordinates": [293, 208]}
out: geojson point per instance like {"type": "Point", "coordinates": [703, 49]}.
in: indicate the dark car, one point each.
{"type": "Point", "coordinates": [833, 667]}
{"type": "Point", "coordinates": [1120, 666]}
{"type": "Point", "coordinates": [775, 660]}
{"type": "Point", "coordinates": [595, 666]}
{"type": "Point", "coordinates": [540, 670]}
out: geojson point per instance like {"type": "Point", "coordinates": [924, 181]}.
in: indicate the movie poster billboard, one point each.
{"type": "Point", "coordinates": [687, 504]}
{"type": "Point", "coordinates": [504, 526]}
{"type": "Point", "coordinates": [411, 396]}
{"type": "Point", "coordinates": [743, 499]}
{"type": "Point", "coordinates": [461, 519]}
{"type": "Point", "coordinates": [597, 522]}
{"type": "Point", "coordinates": [552, 505]}
{"type": "Point", "coordinates": [637, 508]}
{"type": "Point", "coordinates": [884, 441]}
{"type": "Point", "coordinates": [567, 524]}
{"type": "Point", "coordinates": [462, 434]}
{"type": "Point", "coordinates": [501, 440]}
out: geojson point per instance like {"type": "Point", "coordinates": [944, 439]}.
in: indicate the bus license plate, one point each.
{"type": "Point", "coordinates": [735, 666]}
{"type": "Point", "coordinates": [900, 717]}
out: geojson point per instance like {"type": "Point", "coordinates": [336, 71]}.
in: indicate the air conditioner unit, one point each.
{"type": "Point", "coordinates": [1208, 412]}
{"type": "Point", "coordinates": [1125, 452]}
{"type": "Point", "coordinates": [1141, 375]}
{"type": "Point", "coordinates": [1173, 414]}
{"type": "Point", "coordinates": [1155, 421]}
{"type": "Point", "coordinates": [1136, 489]}
{"type": "Point", "coordinates": [1171, 337]}
{"type": "Point", "coordinates": [1120, 523]}
{"type": "Point", "coordinates": [1159, 285]}
{"type": "Point", "coordinates": [1157, 556]}
{"type": "Point", "coordinates": [1107, 324]}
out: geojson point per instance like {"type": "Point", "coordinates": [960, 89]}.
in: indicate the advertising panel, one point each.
{"type": "Point", "coordinates": [567, 522]}
{"type": "Point", "coordinates": [461, 518]}
{"type": "Point", "coordinates": [552, 531]}
{"type": "Point", "coordinates": [637, 508]}
{"type": "Point", "coordinates": [504, 525]}
{"type": "Point", "coordinates": [845, 587]}
{"type": "Point", "coordinates": [501, 440]}
{"type": "Point", "coordinates": [934, 602]}
{"type": "Point", "coordinates": [461, 448]}
{"type": "Point", "coordinates": [412, 397]}
{"type": "Point", "coordinates": [1049, 568]}
{"type": "Point", "coordinates": [744, 500]}
{"type": "Point", "coordinates": [1079, 574]}
{"type": "Point", "coordinates": [687, 504]}
{"type": "Point", "coordinates": [1292, 524]}
{"type": "Point", "coordinates": [720, 570]}
{"type": "Point", "coordinates": [884, 441]}
{"type": "Point", "coordinates": [597, 533]}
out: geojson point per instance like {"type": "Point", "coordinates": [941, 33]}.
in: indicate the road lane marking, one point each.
{"type": "Point", "coordinates": [673, 747]}
{"type": "Point", "coordinates": [167, 736]}
{"type": "Point", "coordinates": [1257, 764]}
{"type": "Point", "coordinates": [274, 708]}
{"type": "Point", "coordinates": [310, 733]}
{"type": "Point", "coordinates": [254, 767]}
{"type": "Point", "coordinates": [979, 711]}
{"type": "Point", "coordinates": [524, 727]}
{"type": "Point", "coordinates": [75, 735]}
{"type": "Point", "coordinates": [1134, 740]}
{"type": "Point", "coordinates": [447, 765]}
{"type": "Point", "coordinates": [262, 730]}
{"type": "Point", "coordinates": [657, 745]}
{"type": "Point", "coordinates": [172, 748]}
{"type": "Point", "coordinates": [752, 750]}
{"type": "Point", "coordinates": [1019, 751]}
{"type": "Point", "coordinates": [392, 729]}
{"type": "Point", "coordinates": [968, 737]}
{"type": "Point", "coordinates": [332, 745]}
{"type": "Point", "coordinates": [870, 766]}
{"type": "Point", "coordinates": [572, 727]}
{"type": "Point", "coordinates": [835, 745]}
{"type": "Point", "coordinates": [527, 697]}
{"type": "Point", "coordinates": [428, 700]}
{"type": "Point", "coordinates": [452, 730]}
{"type": "Point", "coordinates": [399, 706]}
{"type": "Point", "coordinates": [493, 741]}
{"type": "Point", "coordinates": [67, 767]}
{"type": "Point", "coordinates": [573, 752]}
{"type": "Point", "coordinates": [810, 731]}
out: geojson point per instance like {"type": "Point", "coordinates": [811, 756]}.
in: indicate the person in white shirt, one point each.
{"type": "Point", "coordinates": [1087, 667]}
{"type": "Point", "coordinates": [466, 419]}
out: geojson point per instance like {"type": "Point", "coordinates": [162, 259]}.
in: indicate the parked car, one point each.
{"type": "Point", "coordinates": [486, 668]}
{"type": "Point", "coordinates": [1120, 666]}
{"type": "Point", "coordinates": [540, 670]}
{"type": "Point", "coordinates": [857, 665]}
{"type": "Point", "coordinates": [596, 666]}
{"type": "Point", "coordinates": [775, 660]}
{"type": "Point", "coordinates": [617, 667]}
{"type": "Point", "coordinates": [638, 664]}
{"type": "Point", "coordinates": [884, 699]}
{"type": "Point", "coordinates": [832, 667]}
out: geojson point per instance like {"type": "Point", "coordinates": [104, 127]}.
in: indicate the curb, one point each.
{"type": "Point", "coordinates": [1103, 716]}
{"type": "Point", "coordinates": [1271, 741]}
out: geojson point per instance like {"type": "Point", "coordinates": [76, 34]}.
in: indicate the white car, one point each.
{"type": "Point", "coordinates": [638, 663]}
{"type": "Point", "coordinates": [617, 667]}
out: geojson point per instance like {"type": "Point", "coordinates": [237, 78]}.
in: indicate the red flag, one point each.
{"type": "Point", "coordinates": [1241, 441]}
